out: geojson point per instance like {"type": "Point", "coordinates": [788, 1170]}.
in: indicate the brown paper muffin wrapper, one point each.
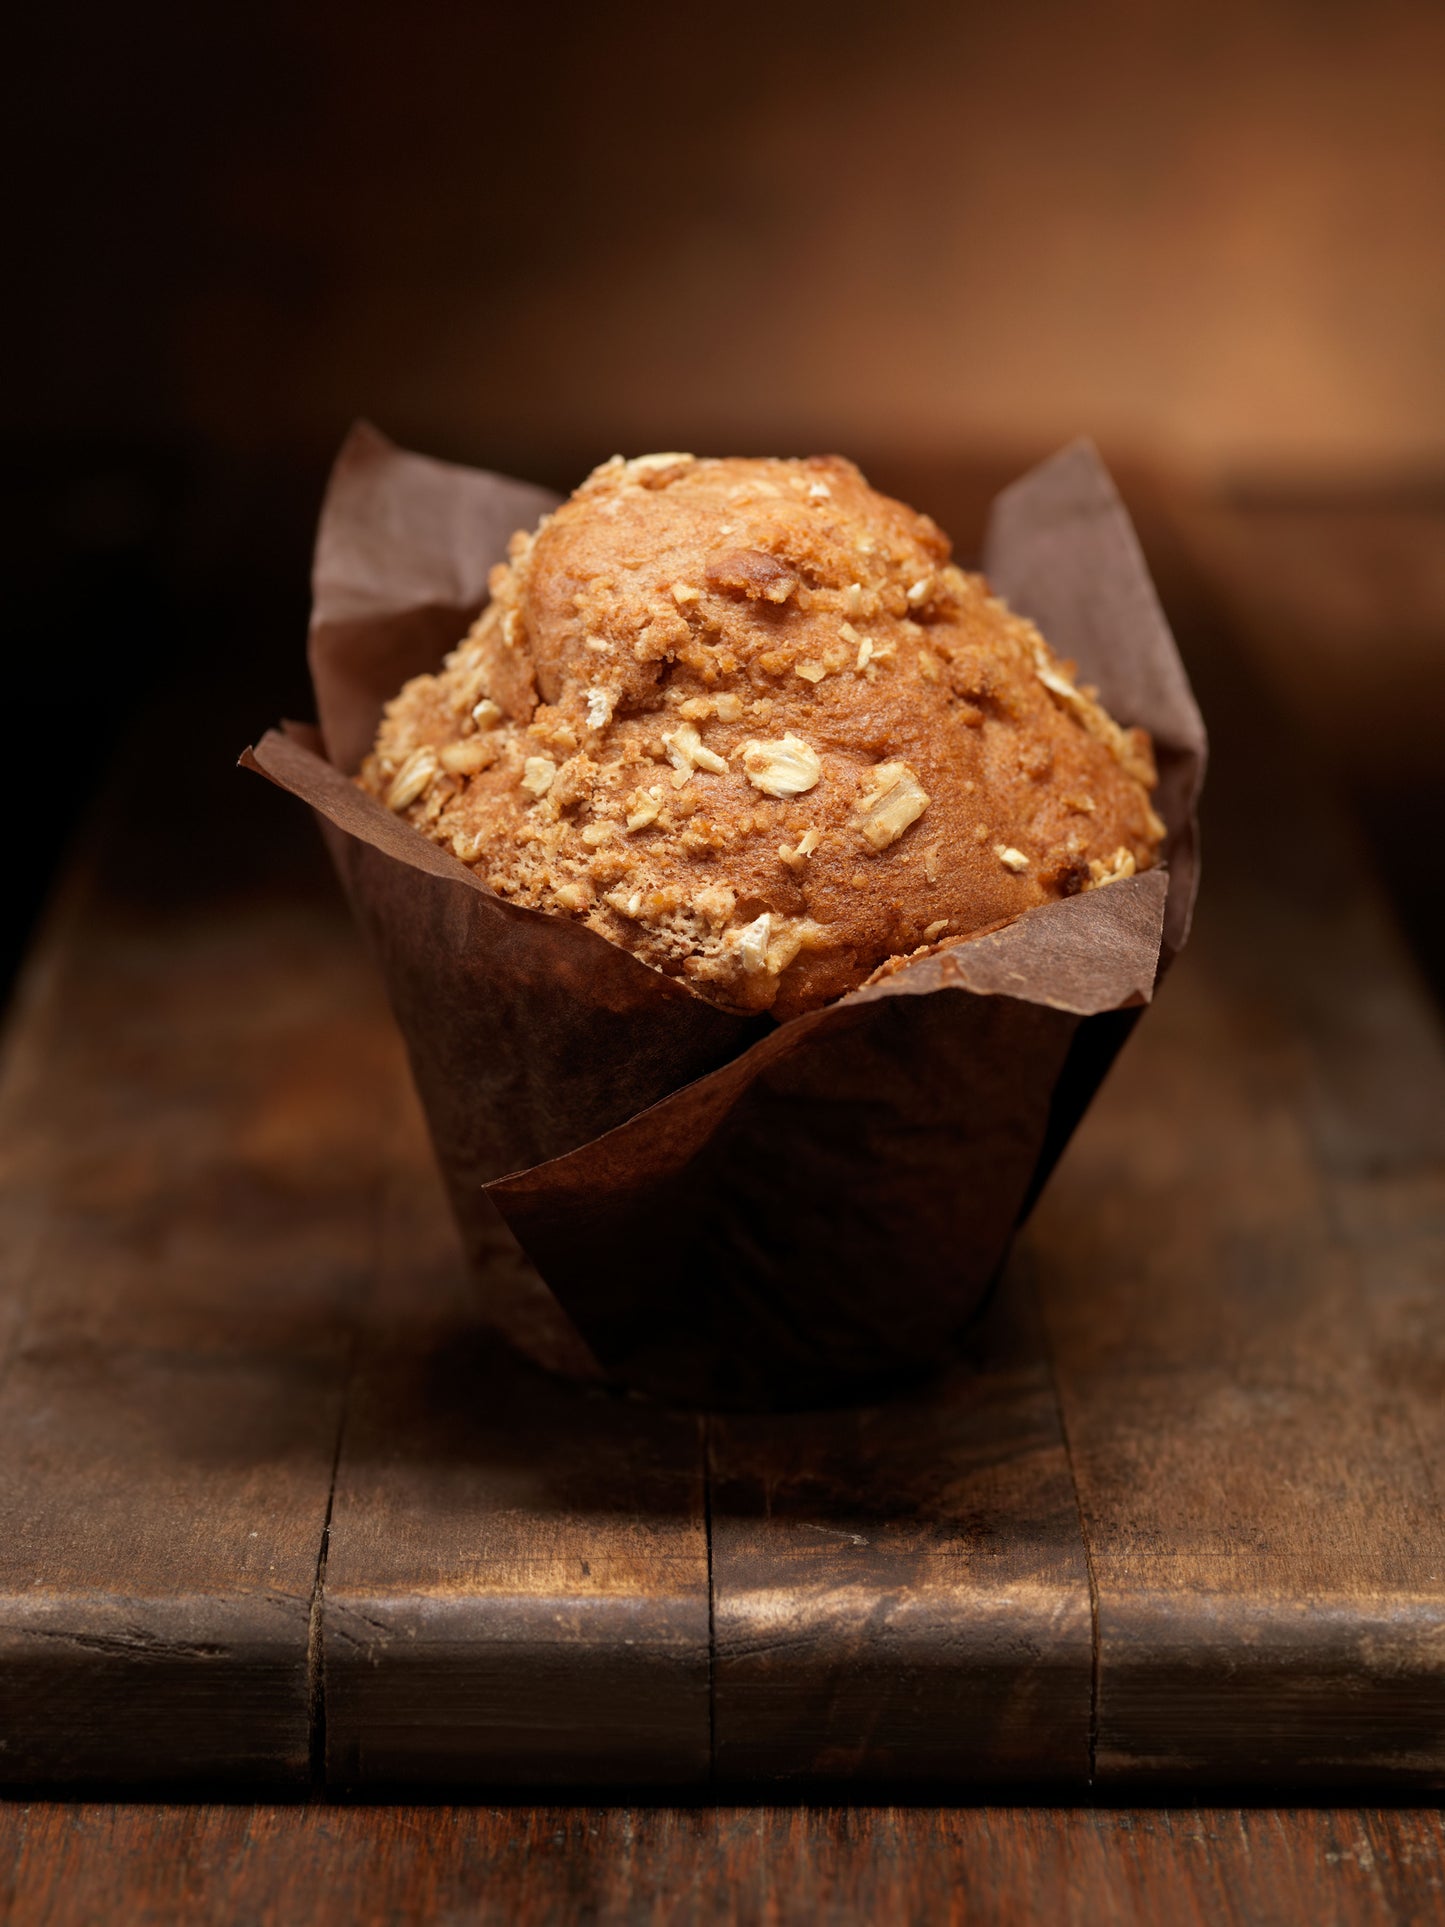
{"type": "Point", "coordinates": [726, 1210]}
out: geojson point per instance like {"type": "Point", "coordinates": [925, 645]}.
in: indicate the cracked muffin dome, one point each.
{"type": "Point", "coordinates": [747, 720]}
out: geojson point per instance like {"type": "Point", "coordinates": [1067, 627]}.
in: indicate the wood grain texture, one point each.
{"type": "Point", "coordinates": [224, 1260]}
{"type": "Point", "coordinates": [522, 1866]}
{"type": "Point", "coordinates": [183, 1176]}
{"type": "Point", "coordinates": [516, 1584]}
{"type": "Point", "coordinates": [1239, 1266]}
{"type": "Point", "coordinates": [900, 1591]}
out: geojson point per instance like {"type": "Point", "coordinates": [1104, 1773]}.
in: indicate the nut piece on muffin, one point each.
{"type": "Point", "coordinates": [746, 719]}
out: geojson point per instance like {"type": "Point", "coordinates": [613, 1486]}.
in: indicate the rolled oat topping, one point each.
{"type": "Point", "coordinates": [747, 720]}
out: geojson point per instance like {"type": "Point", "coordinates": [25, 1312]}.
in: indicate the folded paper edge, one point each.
{"type": "Point", "coordinates": [1129, 913]}
{"type": "Point", "coordinates": [291, 765]}
{"type": "Point", "coordinates": [1079, 469]}
{"type": "Point", "coordinates": [1121, 925]}
{"type": "Point", "coordinates": [358, 482]}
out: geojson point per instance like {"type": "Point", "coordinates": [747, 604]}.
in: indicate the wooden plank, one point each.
{"type": "Point", "coordinates": [1238, 1264]}
{"type": "Point", "coordinates": [516, 1585]}
{"type": "Point", "coordinates": [215, 1196]}
{"type": "Point", "coordinates": [900, 1592]}
{"type": "Point", "coordinates": [523, 1866]}
{"type": "Point", "coordinates": [185, 1159]}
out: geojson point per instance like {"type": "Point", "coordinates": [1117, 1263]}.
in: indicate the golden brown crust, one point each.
{"type": "Point", "coordinates": [746, 719]}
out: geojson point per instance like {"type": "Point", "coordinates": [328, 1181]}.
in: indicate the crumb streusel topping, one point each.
{"type": "Point", "coordinates": [746, 719]}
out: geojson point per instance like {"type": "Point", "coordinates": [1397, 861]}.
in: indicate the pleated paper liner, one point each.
{"type": "Point", "coordinates": [726, 1210]}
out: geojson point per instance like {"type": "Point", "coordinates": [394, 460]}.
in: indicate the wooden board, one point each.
{"type": "Point", "coordinates": [184, 1172]}
{"type": "Point", "coordinates": [1240, 1269]}
{"type": "Point", "coordinates": [901, 1592]}
{"type": "Point", "coordinates": [275, 1512]}
{"type": "Point", "coordinates": [516, 1580]}
{"type": "Point", "coordinates": [518, 1865]}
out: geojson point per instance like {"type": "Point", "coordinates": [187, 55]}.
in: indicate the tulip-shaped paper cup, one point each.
{"type": "Point", "coordinates": [726, 1210]}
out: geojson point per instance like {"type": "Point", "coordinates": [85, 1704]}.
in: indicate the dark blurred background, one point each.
{"type": "Point", "coordinates": [942, 239]}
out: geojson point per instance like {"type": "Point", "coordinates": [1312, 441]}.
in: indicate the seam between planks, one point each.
{"type": "Point", "coordinates": [315, 1670]}
{"type": "Point", "coordinates": [316, 1618]}
{"type": "Point", "coordinates": [1093, 1578]}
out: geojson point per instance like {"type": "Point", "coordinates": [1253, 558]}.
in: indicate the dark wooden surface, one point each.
{"type": "Point", "coordinates": [186, 1183]}
{"type": "Point", "coordinates": [769, 1866]}
{"type": "Point", "coordinates": [902, 1592]}
{"type": "Point", "coordinates": [1195, 1476]}
{"type": "Point", "coordinates": [1240, 1264]}
{"type": "Point", "coordinates": [276, 1514]}
{"type": "Point", "coordinates": [516, 1584]}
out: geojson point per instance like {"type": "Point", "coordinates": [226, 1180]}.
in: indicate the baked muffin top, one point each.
{"type": "Point", "coordinates": [747, 720]}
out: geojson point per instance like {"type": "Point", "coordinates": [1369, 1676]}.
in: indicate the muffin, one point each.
{"type": "Point", "coordinates": [747, 720]}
